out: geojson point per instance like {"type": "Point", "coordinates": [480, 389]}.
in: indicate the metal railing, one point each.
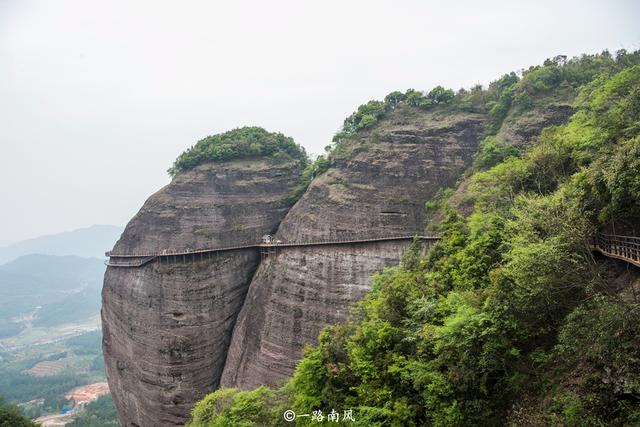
{"type": "Point", "coordinates": [626, 248]}
{"type": "Point", "coordinates": [138, 260]}
{"type": "Point", "coordinates": [128, 262]}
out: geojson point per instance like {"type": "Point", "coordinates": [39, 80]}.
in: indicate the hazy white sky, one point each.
{"type": "Point", "coordinates": [97, 98]}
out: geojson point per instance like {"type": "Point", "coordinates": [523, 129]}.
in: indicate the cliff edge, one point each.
{"type": "Point", "coordinates": [377, 187]}
{"type": "Point", "coordinates": [167, 327]}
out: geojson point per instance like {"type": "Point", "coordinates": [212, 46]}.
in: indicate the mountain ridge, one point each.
{"type": "Point", "coordinates": [90, 242]}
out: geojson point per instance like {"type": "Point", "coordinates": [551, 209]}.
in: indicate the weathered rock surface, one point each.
{"type": "Point", "coordinates": [518, 130]}
{"type": "Point", "coordinates": [293, 296]}
{"type": "Point", "coordinates": [214, 205]}
{"type": "Point", "coordinates": [377, 188]}
{"type": "Point", "coordinates": [521, 129]}
{"type": "Point", "coordinates": [166, 327]}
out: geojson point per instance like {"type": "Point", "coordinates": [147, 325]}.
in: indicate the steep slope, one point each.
{"type": "Point", "coordinates": [510, 319]}
{"type": "Point", "coordinates": [166, 327]}
{"type": "Point", "coordinates": [521, 128]}
{"type": "Point", "coordinates": [377, 187]}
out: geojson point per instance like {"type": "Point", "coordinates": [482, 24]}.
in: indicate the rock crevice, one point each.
{"type": "Point", "coordinates": [372, 192]}
{"type": "Point", "coordinates": [166, 327]}
{"type": "Point", "coordinates": [174, 332]}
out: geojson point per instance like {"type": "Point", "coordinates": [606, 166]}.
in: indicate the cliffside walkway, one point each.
{"type": "Point", "coordinates": [625, 248]}
{"type": "Point", "coordinates": [266, 249]}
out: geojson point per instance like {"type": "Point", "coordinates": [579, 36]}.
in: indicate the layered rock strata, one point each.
{"type": "Point", "coordinates": [377, 188]}
{"type": "Point", "coordinates": [166, 327]}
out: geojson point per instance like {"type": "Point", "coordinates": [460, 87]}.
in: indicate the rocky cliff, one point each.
{"type": "Point", "coordinates": [167, 327]}
{"type": "Point", "coordinates": [173, 332]}
{"type": "Point", "coordinates": [517, 262]}
{"type": "Point", "coordinates": [377, 187]}
{"type": "Point", "coordinates": [522, 129]}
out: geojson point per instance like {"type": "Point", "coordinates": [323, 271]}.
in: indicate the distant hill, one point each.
{"type": "Point", "coordinates": [66, 288]}
{"type": "Point", "coordinates": [85, 242]}
{"type": "Point", "coordinates": [55, 269]}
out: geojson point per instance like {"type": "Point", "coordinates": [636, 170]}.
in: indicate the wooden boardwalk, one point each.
{"type": "Point", "coordinates": [625, 248]}
{"type": "Point", "coordinates": [134, 260]}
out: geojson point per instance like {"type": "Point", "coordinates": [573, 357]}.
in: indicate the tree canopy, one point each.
{"type": "Point", "coordinates": [10, 416]}
{"type": "Point", "coordinates": [245, 142]}
{"type": "Point", "coordinates": [509, 319]}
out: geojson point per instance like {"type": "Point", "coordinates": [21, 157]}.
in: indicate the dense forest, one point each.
{"type": "Point", "coordinates": [10, 416]}
{"type": "Point", "coordinates": [510, 319]}
{"type": "Point", "coordinates": [99, 413]}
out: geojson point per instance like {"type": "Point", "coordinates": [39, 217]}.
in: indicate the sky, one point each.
{"type": "Point", "coordinates": [97, 98]}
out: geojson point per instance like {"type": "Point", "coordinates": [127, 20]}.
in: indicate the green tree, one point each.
{"type": "Point", "coordinates": [10, 416]}
{"type": "Point", "coordinates": [394, 99]}
{"type": "Point", "coordinates": [238, 143]}
{"type": "Point", "coordinates": [509, 319]}
{"type": "Point", "coordinates": [440, 95]}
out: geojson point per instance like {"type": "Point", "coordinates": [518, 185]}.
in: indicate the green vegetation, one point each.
{"type": "Point", "coordinates": [23, 387]}
{"type": "Point", "coordinates": [511, 94]}
{"type": "Point", "coordinates": [313, 169]}
{"type": "Point", "coordinates": [368, 114]}
{"type": "Point", "coordinates": [245, 142]}
{"type": "Point", "coordinates": [545, 83]}
{"type": "Point", "coordinates": [81, 354]}
{"type": "Point", "coordinates": [10, 416]}
{"type": "Point", "coordinates": [73, 308]}
{"type": "Point", "coordinates": [88, 343]}
{"type": "Point", "coordinates": [493, 150]}
{"type": "Point", "coordinates": [509, 320]}
{"type": "Point", "coordinates": [231, 407]}
{"type": "Point", "coordinates": [100, 413]}
{"type": "Point", "coordinates": [66, 288]}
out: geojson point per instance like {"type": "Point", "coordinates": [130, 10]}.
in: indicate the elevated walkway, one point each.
{"type": "Point", "coordinates": [625, 248]}
{"type": "Point", "coordinates": [135, 260]}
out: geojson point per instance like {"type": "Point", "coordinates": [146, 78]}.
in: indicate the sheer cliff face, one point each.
{"type": "Point", "coordinates": [377, 188]}
{"type": "Point", "coordinates": [167, 327]}
{"type": "Point", "coordinates": [173, 332]}
{"type": "Point", "coordinates": [214, 205]}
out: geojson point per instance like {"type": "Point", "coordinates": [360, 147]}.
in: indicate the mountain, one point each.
{"type": "Point", "coordinates": [88, 242]}
{"type": "Point", "coordinates": [227, 203]}
{"type": "Point", "coordinates": [47, 290]}
{"type": "Point", "coordinates": [514, 318]}
{"type": "Point", "coordinates": [474, 330]}
{"type": "Point", "coordinates": [377, 186]}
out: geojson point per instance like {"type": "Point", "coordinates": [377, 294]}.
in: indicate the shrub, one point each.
{"type": "Point", "coordinates": [243, 142]}
{"type": "Point", "coordinates": [493, 151]}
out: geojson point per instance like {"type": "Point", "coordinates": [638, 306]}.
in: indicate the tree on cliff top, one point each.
{"type": "Point", "coordinates": [245, 142]}
{"type": "Point", "coordinates": [508, 320]}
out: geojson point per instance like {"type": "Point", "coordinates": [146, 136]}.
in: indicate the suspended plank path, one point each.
{"type": "Point", "coordinates": [625, 248]}
{"type": "Point", "coordinates": [140, 259]}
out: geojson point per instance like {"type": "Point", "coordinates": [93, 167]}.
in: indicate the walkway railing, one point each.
{"type": "Point", "coordinates": [626, 248]}
{"type": "Point", "coordinates": [138, 260]}
{"type": "Point", "coordinates": [129, 262]}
